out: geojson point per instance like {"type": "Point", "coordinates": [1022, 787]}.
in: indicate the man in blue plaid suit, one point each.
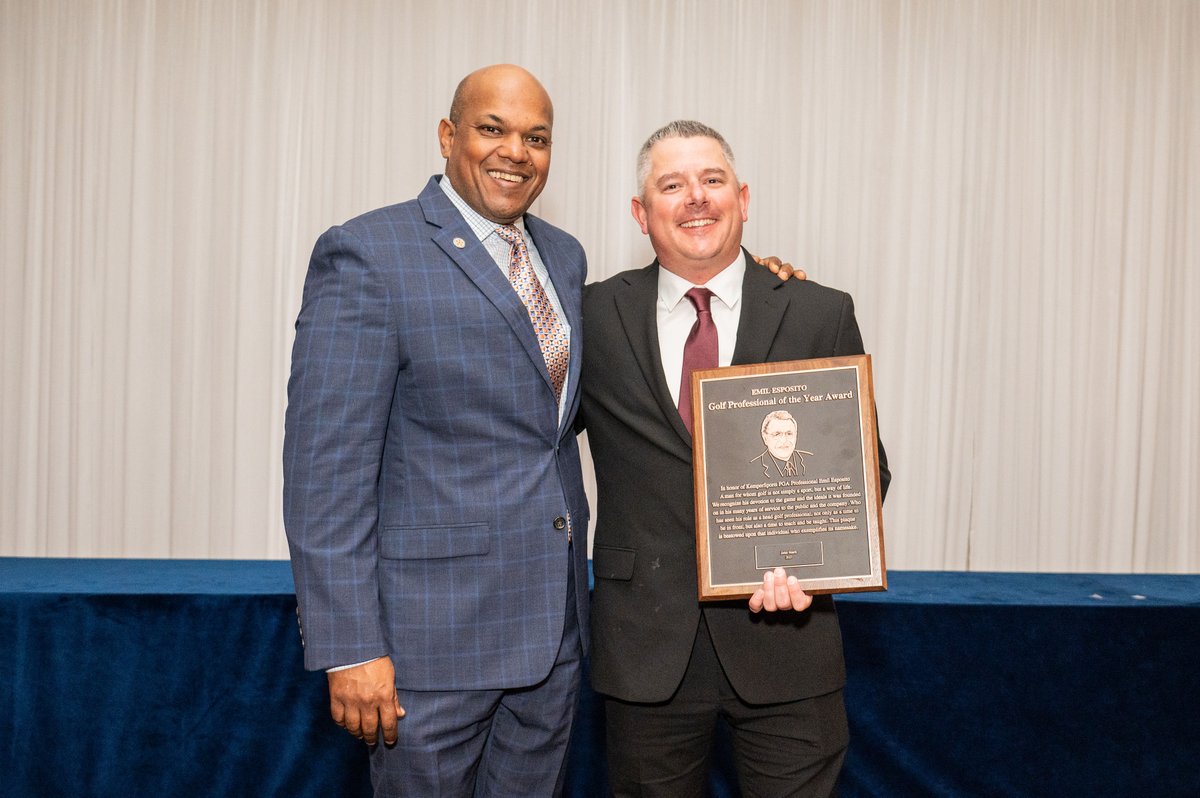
{"type": "Point", "coordinates": [433, 497]}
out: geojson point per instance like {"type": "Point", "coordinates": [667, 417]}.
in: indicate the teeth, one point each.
{"type": "Point", "coordinates": [511, 178]}
{"type": "Point", "coordinates": [699, 223]}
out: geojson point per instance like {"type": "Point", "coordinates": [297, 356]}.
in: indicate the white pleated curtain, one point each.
{"type": "Point", "coordinates": [1010, 190]}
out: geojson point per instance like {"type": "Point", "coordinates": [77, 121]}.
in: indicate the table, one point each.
{"type": "Point", "coordinates": [183, 678]}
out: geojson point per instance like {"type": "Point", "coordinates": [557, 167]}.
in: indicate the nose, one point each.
{"type": "Point", "coordinates": [696, 193]}
{"type": "Point", "coordinates": [513, 148]}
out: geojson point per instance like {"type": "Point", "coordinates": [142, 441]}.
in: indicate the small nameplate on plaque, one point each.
{"type": "Point", "coordinates": [794, 555]}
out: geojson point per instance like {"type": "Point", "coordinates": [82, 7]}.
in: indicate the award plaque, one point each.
{"type": "Point", "coordinates": [787, 475]}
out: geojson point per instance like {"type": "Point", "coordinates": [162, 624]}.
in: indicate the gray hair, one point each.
{"type": "Point", "coordinates": [778, 415]}
{"type": "Point", "coordinates": [679, 129]}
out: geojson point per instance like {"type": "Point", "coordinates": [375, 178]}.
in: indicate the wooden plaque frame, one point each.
{"type": "Point", "coordinates": [819, 517]}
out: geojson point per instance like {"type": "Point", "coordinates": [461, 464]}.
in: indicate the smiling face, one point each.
{"type": "Point", "coordinates": [497, 151]}
{"type": "Point", "coordinates": [692, 207]}
{"type": "Point", "coordinates": [779, 435]}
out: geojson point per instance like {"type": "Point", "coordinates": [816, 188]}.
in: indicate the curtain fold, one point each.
{"type": "Point", "coordinates": [1008, 189]}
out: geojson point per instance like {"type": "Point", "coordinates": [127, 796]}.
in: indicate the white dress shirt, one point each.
{"type": "Point", "coordinates": [676, 315]}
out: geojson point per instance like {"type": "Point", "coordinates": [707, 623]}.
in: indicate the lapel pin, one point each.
{"type": "Point", "coordinates": [458, 242]}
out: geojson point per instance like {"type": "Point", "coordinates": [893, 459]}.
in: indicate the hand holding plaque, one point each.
{"type": "Point", "coordinates": [779, 592]}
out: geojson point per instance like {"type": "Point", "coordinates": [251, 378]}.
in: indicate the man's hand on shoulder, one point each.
{"type": "Point", "coordinates": [778, 267]}
{"type": "Point", "coordinates": [363, 700]}
{"type": "Point", "coordinates": [779, 592]}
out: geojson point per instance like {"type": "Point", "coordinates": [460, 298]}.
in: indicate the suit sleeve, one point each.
{"type": "Point", "coordinates": [344, 368]}
{"type": "Point", "coordinates": [849, 342]}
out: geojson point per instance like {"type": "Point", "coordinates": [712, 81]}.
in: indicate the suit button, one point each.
{"type": "Point", "coordinates": [560, 523]}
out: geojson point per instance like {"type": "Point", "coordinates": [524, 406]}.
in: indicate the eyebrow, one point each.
{"type": "Point", "coordinates": [712, 170]}
{"type": "Point", "coordinates": [500, 121]}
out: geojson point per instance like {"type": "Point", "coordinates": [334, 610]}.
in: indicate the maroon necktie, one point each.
{"type": "Point", "coordinates": [699, 352]}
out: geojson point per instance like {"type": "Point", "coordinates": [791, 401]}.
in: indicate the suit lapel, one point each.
{"type": "Point", "coordinates": [473, 258]}
{"type": "Point", "coordinates": [763, 305]}
{"type": "Point", "coordinates": [637, 306]}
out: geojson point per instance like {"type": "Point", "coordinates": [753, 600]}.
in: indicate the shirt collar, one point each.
{"type": "Point", "coordinates": [726, 285]}
{"type": "Point", "coordinates": [480, 225]}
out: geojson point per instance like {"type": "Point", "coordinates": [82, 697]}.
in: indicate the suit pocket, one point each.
{"type": "Point", "coordinates": [612, 563]}
{"type": "Point", "coordinates": [434, 542]}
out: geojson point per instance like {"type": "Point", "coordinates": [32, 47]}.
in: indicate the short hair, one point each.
{"type": "Point", "coordinates": [778, 415]}
{"type": "Point", "coordinates": [679, 129]}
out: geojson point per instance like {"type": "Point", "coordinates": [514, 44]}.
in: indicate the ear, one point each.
{"type": "Point", "coordinates": [639, 214]}
{"type": "Point", "coordinates": [446, 132]}
{"type": "Point", "coordinates": [744, 201]}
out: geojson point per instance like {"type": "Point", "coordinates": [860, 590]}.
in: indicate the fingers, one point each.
{"type": "Point", "coordinates": [799, 599]}
{"type": "Point", "coordinates": [365, 721]}
{"type": "Point", "coordinates": [779, 592]}
{"type": "Point", "coordinates": [764, 597]}
{"type": "Point", "coordinates": [353, 722]}
{"type": "Point", "coordinates": [775, 595]}
{"type": "Point", "coordinates": [390, 722]}
{"type": "Point", "coordinates": [337, 710]}
{"type": "Point", "coordinates": [782, 598]}
{"type": "Point", "coordinates": [389, 714]}
{"type": "Point", "coordinates": [370, 726]}
{"type": "Point", "coordinates": [770, 261]}
{"type": "Point", "coordinates": [347, 715]}
{"type": "Point", "coordinates": [380, 722]}
{"type": "Point", "coordinates": [778, 267]}
{"type": "Point", "coordinates": [387, 724]}
{"type": "Point", "coordinates": [363, 701]}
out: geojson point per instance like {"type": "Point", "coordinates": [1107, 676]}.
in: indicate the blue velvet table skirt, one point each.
{"type": "Point", "coordinates": [183, 678]}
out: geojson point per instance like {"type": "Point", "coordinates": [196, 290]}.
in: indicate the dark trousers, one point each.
{"type": "Point", "coordinates": [795, 748]}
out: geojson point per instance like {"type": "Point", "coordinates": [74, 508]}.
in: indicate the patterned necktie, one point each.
{"type": "Point", "coordinates": [699, 352]}
{"type": "Point", "coordinates": [552, 338]}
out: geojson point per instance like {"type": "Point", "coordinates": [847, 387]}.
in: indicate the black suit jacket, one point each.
{"type": "Point", "coordinates": [645, 612]}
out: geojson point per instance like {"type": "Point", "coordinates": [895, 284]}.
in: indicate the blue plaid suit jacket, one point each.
{"type": "Point", "coordinates": [425, 463]}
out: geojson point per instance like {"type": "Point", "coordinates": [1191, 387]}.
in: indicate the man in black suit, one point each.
{"type": "Point", "coordinates": [669, 666]}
